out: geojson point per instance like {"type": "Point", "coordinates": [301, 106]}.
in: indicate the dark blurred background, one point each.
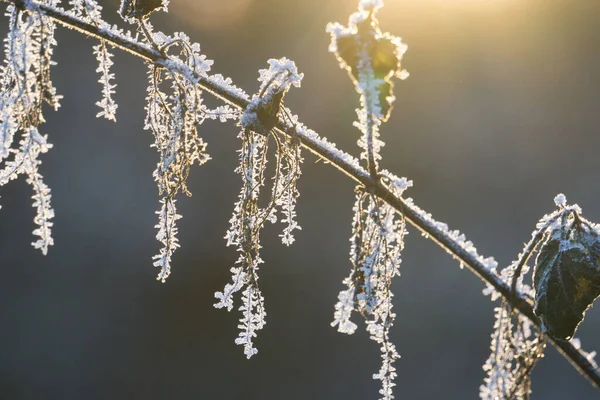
{"type": "Point", "coordinates": [500, 114]}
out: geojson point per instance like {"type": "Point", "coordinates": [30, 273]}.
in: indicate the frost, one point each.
{"type": "Point", "coordinates": [560, 200]}
{"type": "Point", "coordinates": [140, 9]}
{"type": "Point", "coordinates": [173, 114]}
{"type": "Point", "coordinates": [375, 252]}
{"type": "Point", "coordinates": [244, 233]}
{"type": "Point", "coordinates": [567, 274]}
{"type": "Point", "coordinates": [589, 356]}
{"type": "Point", "coordinates": [516, 346]}
{"type": "Point", "coordinates": [343, 312]}
{"type": "Point", "coordinates": [180, 74]}
{"type": "Point", "coordinates": [248, 218]}
{"type": "Point", "coordinates": [88, 10]}
{"type": "Point", "coordinates": [107, 104]}
{"type": "Point", "coordinates": [253, 319]}
{"type": "Point", "coordinates": [25, 85]}
{"type": "Point", "coordinates": [167, 235]}
{"type": "Point", "coordinates": [372, 59]}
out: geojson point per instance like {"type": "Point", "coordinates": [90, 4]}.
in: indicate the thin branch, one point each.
{"type": "Point", "coordinates": [455, 245]}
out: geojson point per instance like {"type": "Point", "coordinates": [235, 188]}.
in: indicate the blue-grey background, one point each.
{"type": "Point", "coordinates": [500, 114]}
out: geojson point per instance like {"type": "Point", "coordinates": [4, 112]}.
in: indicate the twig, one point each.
{"type": "Point", "coordinates": [342, 161]}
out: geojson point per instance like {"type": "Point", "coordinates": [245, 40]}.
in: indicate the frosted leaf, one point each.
{"type": "Point", "coordinates": [285, 191]}
{"type": "Point", "coordinates": [371, 57]}
{"type": "Point", "coordinates": [567, 275]}
{"type": "Point", "coordinates": [516, 343]}
{"type": "Point", "coordinates": [589, 356]}
{"type": "Point", "coordinates": [395, 184]}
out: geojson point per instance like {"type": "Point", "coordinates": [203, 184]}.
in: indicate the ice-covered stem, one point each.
{"type": "Point", "coordinates": [454, 244]}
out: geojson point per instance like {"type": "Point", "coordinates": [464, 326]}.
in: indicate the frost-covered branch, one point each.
{"type": "Point", "coordinates": [383, 189]}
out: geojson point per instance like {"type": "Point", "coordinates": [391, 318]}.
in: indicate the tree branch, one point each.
{"type": "Point", "coordinates": [451, 241]}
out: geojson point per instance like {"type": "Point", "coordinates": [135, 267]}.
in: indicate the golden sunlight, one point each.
{"type": "Point", "coordinates": [210, 14]}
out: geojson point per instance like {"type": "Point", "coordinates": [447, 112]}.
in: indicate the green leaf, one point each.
{"type": "Point", "coordinates": [567, 277]}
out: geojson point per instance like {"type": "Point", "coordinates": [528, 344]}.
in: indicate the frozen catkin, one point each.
{"type": "Point", "coordinates": [174, 109]}
{"type": "Point", "coordinates": [25, 86]}
{"type": "Point", "coordinates": [375, 253]}
{"type": "Point", "coordinates": [257, 127]}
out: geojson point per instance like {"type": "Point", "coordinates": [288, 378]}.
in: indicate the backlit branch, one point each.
{"type": "Point", "coordinates": [451, 241]}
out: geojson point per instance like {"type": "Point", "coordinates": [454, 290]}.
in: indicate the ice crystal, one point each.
{"type": "Point", "coordinates": [25, 85]}
{"type": "Point", "coordinates": [560, 200]}
{"type": "Point", "coordinates": [589, 356]}
{"type": "Point", "coordinates": [108, 107]}
{"type": "Point", "coordinates": [167, 235]}
{"type": "Point", "coordinates": [244, 233]}
{"type": "Point", "coordinates": [173, 118]}
{"type": "Point", "coordinates": [26, 162]}
{"type": "Point", "coordinates": [91, 12]}
{"type": "Point", "coordinates": [88, 10]}
{"type": "Point", "coordinates": [372, 58]}
{"type": "Point", "coordinates": [257, 123]}
{"type": "Point", "coordinates": [376, 245]}
{"type": "Point", "coordinates": [253, 319]}
{"type": "Point", "coordinates": [516, 346]}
